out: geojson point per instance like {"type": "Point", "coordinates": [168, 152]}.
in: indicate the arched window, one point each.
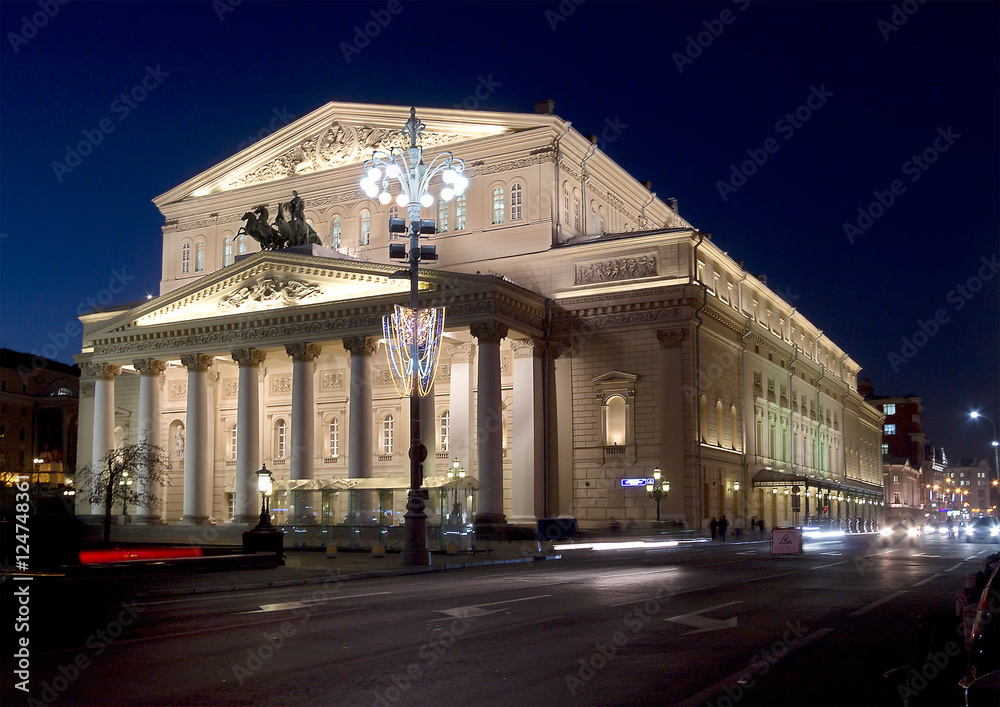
{"type": "Point", "coordinates": [703, 410]}
{"type": "Point", "coordinates": [516, 197]}
{"type": "Point", "coordinates": [565, 204]}
{"type": "Point", "coordinates": [120, 437]}
{"type": "Point", "coordinates": [576, 210]}
{"type": "Point", "coordinates": [199, 263]}
{"type": "Point", "coordinates": [232, 441]}
{"type": "Point", "coordinates": [460, 208]}
{"type": "Point", "coordinates": [280, 439]}
{"type": "Point", "coordinates": [732, 426]}
{"type": "Point", "coordinates": [387, 423]}
{"type": "Point", "coordinates": [718, 423]}
{"type": "Point", "coordinates": [335, 233]}
{"type": "Point", "coordinates": [227, 251]}
{"type": "Point", "coordinates": [498, 205]}
{"type": "Point", "coordinates": [394, 211]}
{"type": "Point", "coordinates": [615, 421]}
{"type": "Point", "coordinates": [241, 244]}
{"type": "Point", "coordinates": [442, 222]}
{"type": "Point", "coordinates": [444, 427]}
{"type": "Point", "coordinates": [185, 258]}
{"type": "Point", "coordinates": [600, 217]}
{"type": "Point", "coordinates": [366, 227]}
{"type": "Point", "coordinates": [593, 218]}
{"type": "Point", "coordinates": [333, 434]}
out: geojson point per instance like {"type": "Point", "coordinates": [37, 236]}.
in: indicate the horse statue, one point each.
{"type": "Point", "coordinates": [258, 228]}
{"type": "Point", "coordinates": [283, 232]}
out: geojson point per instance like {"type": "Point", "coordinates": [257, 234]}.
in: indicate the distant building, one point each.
{"type": "Point", "coordinates": [904, 497]}
{"type": "Point", "coordinates": [970, 487]}
{"type": "Point", "coordinates": [39, 399]}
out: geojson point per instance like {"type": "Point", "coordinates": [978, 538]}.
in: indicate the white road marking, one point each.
{"type": "Point", "coordinates": [672, 594]}
{"type": "Point", "coordinates": [465, 612]}
{"type": "Point", "coordinates": [304, 603]}
{"type": "Point", "coordinates": [704, 624]}
{"type": "Point", "coordinates": [922, 582]}
{"type": "Point", "coordinates": [955, 566]}
{"type": "Point", "coordinates": [832, 564]}
{"type": "Point", "coordinates": [771, 576]}
{"type": "Point", "coordinates": [880, 602]}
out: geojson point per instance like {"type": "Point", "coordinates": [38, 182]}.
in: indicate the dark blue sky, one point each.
{"type": "Point", "coordinates": [890, 89]}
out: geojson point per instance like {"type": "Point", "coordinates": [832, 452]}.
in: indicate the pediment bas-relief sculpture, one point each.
{"type": "Point", "coordinates": [269, 292]}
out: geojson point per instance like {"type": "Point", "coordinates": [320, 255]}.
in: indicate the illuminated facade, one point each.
{"type": "Point", "coordinates": [591, 334]}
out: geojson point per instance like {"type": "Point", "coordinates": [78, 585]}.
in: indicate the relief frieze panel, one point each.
{"type": "Point", "coordinates": [332, 381]}
{"type": "Point", "coordinates": [281, 384]}
{"type": "Point", "coordinates": [269, 292]}
{"type": "Point", "coordinates": [177, 390]}
{"type": "Point", "coordinates": [230, 388]}
{"type": "Point", "coordinates": [615, 269]}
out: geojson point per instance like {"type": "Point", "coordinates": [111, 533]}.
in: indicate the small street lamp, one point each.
{"type": "Point", "coordinates": [265, 484]}
{"type": "Point", "coordinates": [453, 471]}
{"type": "Point", "coordinates": [657, 490]}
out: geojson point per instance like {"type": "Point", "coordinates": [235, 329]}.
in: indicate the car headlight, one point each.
{"type": "Point", "coordinates": [995, 530]}
{"type": "Point", "coordinates": [912, 532]}
{"type": "Point", "coordinates": [885, 532]}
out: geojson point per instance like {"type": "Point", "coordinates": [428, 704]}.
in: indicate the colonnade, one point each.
{"type": "Point", "coordinates": [527, 486]}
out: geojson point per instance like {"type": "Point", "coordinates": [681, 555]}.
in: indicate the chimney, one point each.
{"type": "Point", "coordinates": [546, 107]}
{"type": "Point", "coordinates": [672, 203]}
{"type": "Point", "coordinates": [648, 184]}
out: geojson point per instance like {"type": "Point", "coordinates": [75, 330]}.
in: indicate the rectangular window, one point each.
{"type": "Point", "coordinates": [460, 203]}
{"type": "Point", "coordinates": [885, 449]}
{"type": "Point", "coordinates": [895, 478]}
{"type": "Point", "coordinates": [889, 408]}
{"type": "Point", "coordinates": [889, 430]}
{"type": "Point", "coordinates": [498, 205]}
{"type": "Point", "coordinates": [442, 224]}
{"type": "Point", "coordinates": [232, 442]}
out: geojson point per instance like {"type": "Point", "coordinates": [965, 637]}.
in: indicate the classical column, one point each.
{"type": "Point", "coordinates": [150, 370]}
{"type": "Point", "coordinates": [197, 472]}
{"type": "Point", "coordinates": [359, 443]}
{"type": "Point", "coordinates": [680, 501]}
{"type": "Point", "coordinates": [562, 423]}
{"type": "Point", "coordinates": [104, 420]}
{"type": "Point", "coordinates": [460, 406]}
{"type": "Point", "coordinates": [489, 422]}
{"type": "Point", "coordinates": [528, 462]}
{"type": "Point", "coordinates": [303, 425]}
{"type": "Point", "coordinates": [247, 435]}
{"type": "Point", "coordinates": [428, 432]}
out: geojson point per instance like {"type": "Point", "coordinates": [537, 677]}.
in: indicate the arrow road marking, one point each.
{"type": "Point", "coordinates": [475, 610]}
{"type": "Point", "coordinates": [289, 605]}
{"type": "Point", "coordinates": [704, 624]}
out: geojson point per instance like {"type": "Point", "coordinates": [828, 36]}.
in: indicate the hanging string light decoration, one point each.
{"type": "Point", "coordinates": [398, 330]}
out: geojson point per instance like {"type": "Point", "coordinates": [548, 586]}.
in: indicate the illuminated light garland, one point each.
{"type": "Point", "coordinates": [398, 330]}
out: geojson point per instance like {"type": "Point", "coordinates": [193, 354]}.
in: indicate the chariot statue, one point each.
{"type": "Point", "coordinates": [284, 232]}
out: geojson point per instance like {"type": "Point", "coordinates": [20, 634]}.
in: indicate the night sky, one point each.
{"type": "Point", "coordinates": [843, 104]}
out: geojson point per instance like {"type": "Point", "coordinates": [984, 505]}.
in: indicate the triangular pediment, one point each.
{"type": "Point", "coordinates": [260, 284]}
{"type": "Point", "coordinates": [340, 134]}
{"type": "Point", "coordinates": [613, 378]}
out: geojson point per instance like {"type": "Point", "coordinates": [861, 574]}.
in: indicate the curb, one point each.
{"type": "Point", "coordinates": [376, 574]}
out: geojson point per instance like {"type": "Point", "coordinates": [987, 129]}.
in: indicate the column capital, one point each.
{"type": "Point", "coordinates": [303, 352]}
{"type": "Point", "coordinates": [461, 353]}
{"type": "Point", "coordinates": [670, 338]}
{"type": "Point", "coordinates": [527, 348]}
{"type": "Point", "coordinates": [558, 349]}
{"type": "Point", "coordinates": [102, 371]}
{"type": "Point", "coordinates": [249, 357]}
{"type": "Point", "coordinates": [488, 332]}
{"type": "Point", "coordinates": [149, 366]}
{"type": "Point", "coordinates": [197, 362]}
{"type": "Point", "coordinates": [361, 345]}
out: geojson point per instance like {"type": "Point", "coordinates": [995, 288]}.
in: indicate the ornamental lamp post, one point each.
{"type": "Point", "coordinates": [657, 490]}
{"type": "Point", "coordinates": [265, 484]}
{"type": "Point", "coordinates": [996, 447]}
{"type": "Point", "coordinates": [413, 365]}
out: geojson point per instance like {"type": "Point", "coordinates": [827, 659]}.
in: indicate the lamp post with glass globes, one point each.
{"type": "Point", "coordinates": [265, 485]}
{"type": "Point", "coordinates": [996, 449]}
{"type": "Point", "coordinates": [657, 490]}
{"type": "Point", "coordinates": [407, 168]}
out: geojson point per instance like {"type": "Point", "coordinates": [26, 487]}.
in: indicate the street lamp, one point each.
{"type": "Point", "coordinates": [453, 471]}
{"type": "Point", "coordinates": [37, 461]}
{"type": "Point", "coordinates": [414, 369]}
{"type": "Point", "coordinates": [657, 490]}
{"type": "Point", "coordinates": [265, 485]}
{"type": "Point", "coordinates": [996, 445]}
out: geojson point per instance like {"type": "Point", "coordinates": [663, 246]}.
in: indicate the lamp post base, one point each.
{"type": "Point", "coordinates": [415, 553]}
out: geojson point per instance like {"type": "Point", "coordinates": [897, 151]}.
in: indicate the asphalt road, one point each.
{"type": "Point", "coordinates": [697, 624]}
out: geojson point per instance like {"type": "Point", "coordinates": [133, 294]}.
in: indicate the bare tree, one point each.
{"type": "Point", "coordinates": [128, 475]}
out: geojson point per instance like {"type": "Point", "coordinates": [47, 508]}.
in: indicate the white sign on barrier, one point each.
{"type": "Point", "coordinates": [786, 541]}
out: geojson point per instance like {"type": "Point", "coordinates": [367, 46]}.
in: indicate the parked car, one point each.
{"type": "Point", "coordinates": [900, 534]}
{"type": "Point", "coordinates": [981, 684]}
{"type": "Point", "coordinates": [982, 530]}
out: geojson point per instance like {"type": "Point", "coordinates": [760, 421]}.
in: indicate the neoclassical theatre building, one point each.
{"type": "Point", "coordinates": [591, 335]}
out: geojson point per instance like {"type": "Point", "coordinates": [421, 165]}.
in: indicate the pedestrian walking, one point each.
{"type": "Point", "coordinates": [760, 525]}
{"type": "Point", "coordinates": [714, 525]}
{"type": "Point", "coordinates": [723, 524]}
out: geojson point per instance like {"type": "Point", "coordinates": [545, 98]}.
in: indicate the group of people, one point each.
{"type": "Point", "coordinates": [721, 526]}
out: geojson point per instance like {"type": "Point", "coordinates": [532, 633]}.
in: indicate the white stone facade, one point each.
{"type": "Point", "coordinates": [618, 337]}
